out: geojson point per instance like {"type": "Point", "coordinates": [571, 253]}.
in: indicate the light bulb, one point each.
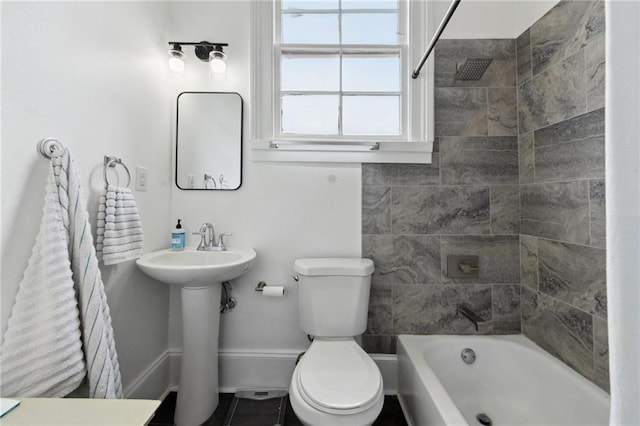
{"type": "Point", "coordinates": [217, 62]}
{"type": "Point", "coordinates": [176, 59]}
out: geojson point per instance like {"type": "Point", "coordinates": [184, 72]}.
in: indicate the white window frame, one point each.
{"type": "Point", "coordinates": [413, 146]}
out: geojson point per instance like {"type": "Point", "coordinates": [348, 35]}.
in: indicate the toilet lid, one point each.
{"type": "Point", "coordinates": [338, 377]}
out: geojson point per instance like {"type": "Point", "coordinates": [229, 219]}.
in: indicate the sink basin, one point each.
{"type": "Point", "coordinates": [193, 268]}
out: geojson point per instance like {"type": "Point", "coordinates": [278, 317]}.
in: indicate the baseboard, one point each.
{"type": "Point", "coordinates": [153, 382]}
{"type": "Point", "coordinates": [242, 369]}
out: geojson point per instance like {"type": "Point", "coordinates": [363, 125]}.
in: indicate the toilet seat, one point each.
{"type": "Point", "coordinates": [338, 377]}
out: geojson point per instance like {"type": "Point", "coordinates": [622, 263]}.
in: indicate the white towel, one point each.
{"type": "Point", "coordinates": [119, 233]}
{"type": "Point", "coordinates": [41, 355]}
{"type": "Point", "coordinates": [103, 370]}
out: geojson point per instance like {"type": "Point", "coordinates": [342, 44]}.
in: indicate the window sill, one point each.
{"type": "Point", "coordinates": [387, 152]}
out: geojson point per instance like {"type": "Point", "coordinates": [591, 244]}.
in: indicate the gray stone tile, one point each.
{"type": "Point", "coordinates": [577, 129]}
{"type": "Point", "coordinates": [461, 112]}
{"type": "Point", "coordinates": [559, 211]}
{"type": "Point", "coordinates": [506, 309]}
{"type": "Point", "coordinates": [554, 95]}
{"type": "Point", "coordinates": [500, 73]}
{"type": "Point", "coordinates": [597, 207]}
{"type": "Point", "coordinates": [379, 344]}
{"type": "Point", "coordinates": [571, 149]}
{"type": "Point", "coordinates": [595, 63]}
{"type": "Point", "coordinates": [379, 320]}
{"type": "Point", "coordinates": [505, 209]}
{"type": "Point", "coordinates": [503, 120]}
{"type": "Point", "coordinates": [526, 158]}
{"type": "Point", "coordinates": [403, 259]}
{"type": "Point", "coordinates": [402, 174]}
{"type": "Point", "coordinates": [436, 144]}
{"type": "Point", "coordinates": [601, 353]}
{"type": "Point", "coordinates": [479, 160]}
{"type": "Point", "coordinates": [524, 69]}
{"type": "Point", "coordinates": [440, 210]}
{"type": "Point", "coordinates": [564, 30]}
{"type": "Point", "coordinates": [563, 331]}
{"type": "Point", "coordinates": [376, 210]}
{"type": "Point", "coordinates": [574, 274]}
{"type": "Point", "coordinates": [529, 261]}
{"type": "Point", "coordinates": [498, 257]}
{"type": "Point", "coordinates": [524, 40]}
{"type": "Point", "coordinates": [433, 309]}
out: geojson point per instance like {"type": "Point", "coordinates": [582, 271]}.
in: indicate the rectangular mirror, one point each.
{"type": "Point", "coordinates": [209, 141]}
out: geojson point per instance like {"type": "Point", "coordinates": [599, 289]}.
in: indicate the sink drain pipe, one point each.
{"type": "Point", "coordinates": [227, 303]}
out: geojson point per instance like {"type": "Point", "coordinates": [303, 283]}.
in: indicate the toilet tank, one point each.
{"type": "Point", "coordinates": [333, 298]}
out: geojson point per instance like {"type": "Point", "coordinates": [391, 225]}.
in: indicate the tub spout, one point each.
{"type": "Point", "coordinates": [466, 311]}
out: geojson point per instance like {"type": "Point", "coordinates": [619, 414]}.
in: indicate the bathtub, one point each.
{"type": "Point", "coordinates": [512, 381]}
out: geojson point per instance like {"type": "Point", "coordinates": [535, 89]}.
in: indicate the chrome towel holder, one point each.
{"type": "Point", "coordinates": [48, 146]}
{"type": "Point", "coordinates": [111, 161]}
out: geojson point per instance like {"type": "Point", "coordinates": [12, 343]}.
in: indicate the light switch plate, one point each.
{"type": "Point", "coordinates": [142, 178]}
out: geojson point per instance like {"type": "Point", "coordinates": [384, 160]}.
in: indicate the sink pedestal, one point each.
{"type": "Point", "coordinates": [198, 393]}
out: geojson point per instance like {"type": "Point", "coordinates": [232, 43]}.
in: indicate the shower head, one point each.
{"type": "Point", "coordinates": [472, 69]}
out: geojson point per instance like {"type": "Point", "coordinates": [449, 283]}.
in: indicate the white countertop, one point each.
{"type": "Point", "coordinates": [80, 412]}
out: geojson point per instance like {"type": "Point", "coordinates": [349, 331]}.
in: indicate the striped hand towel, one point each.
{"type": "Point", "coordinates": [41, 355]}
{"type": "Point", "coordinates": [103, 370]}
{"type": "Point", "coordinates": [119, 234]}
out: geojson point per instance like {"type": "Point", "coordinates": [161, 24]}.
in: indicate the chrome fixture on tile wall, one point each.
{"type": "Point", "coordinates": [204, 50]}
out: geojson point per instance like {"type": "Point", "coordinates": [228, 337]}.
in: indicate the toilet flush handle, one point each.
{"type": "Point", "coordinates": [295, 278]}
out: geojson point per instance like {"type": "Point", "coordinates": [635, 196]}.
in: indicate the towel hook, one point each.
{"type": "Point", "coordinates": [48, 146]}
{"type": "Point", "coordinates": [112, 161]}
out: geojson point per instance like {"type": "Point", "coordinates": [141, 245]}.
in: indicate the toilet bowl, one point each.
{"type": "Point", "coordinates": [335, 383]}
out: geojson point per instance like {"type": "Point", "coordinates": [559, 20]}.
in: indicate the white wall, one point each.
{"type": "Point", "coordinates": [94, 76]}
{"type": "Point", "coordinates": [623, 208]}
{"type": "Point", "coordinates": [284, 211]}
{"type": "Point", "coordinates": [489, 19]}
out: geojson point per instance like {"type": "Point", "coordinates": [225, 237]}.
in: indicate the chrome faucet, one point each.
{"type": "Point", "coordinates": [466, 311]}
{"type": "Point", "coordinates": [208, 238]}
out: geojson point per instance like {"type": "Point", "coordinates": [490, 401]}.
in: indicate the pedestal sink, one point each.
{"type": "Point", "coordinates": [199, 274]}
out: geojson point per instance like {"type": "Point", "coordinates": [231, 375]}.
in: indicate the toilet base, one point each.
{"type": "Point", "coordinates": [309, 416]}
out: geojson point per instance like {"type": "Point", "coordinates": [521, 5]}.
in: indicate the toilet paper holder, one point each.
{"type": "Point", "coordinates": [261, 285]}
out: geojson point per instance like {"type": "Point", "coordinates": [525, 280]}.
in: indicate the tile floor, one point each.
{"type": "Point", "coordinates": [257, 413]}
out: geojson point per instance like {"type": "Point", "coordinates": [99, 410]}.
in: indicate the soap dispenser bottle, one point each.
{"type": "Point", "coordinates": [178, 238]}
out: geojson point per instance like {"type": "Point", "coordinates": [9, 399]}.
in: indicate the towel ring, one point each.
{"type": "Point", "coordinates": [110, 161]}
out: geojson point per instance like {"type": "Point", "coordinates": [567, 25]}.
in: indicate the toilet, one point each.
{"type": "Point", "coordinates": [335, 383]}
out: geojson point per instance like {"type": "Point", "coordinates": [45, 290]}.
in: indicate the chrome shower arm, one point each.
{"type": "Point", "coordinates": [436, 37]}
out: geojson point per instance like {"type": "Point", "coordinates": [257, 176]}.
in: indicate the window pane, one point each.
{"type": "Point", "coordinates": [370, 28]}
{"type": "Point", "coordinates": [310, 4]}
{"type": "Point", "coordinates": [310, 73]}
{"type": "Point", "coordinates": [371, 73]}
{"type": "Point", "coordinates": [310, 28]}
{"type": "Point", "coordinates": [369, 4]}
{"type": "Point", "coordinates": [371, 115]}
{"type": "Point", "coordinates": [310, 114]}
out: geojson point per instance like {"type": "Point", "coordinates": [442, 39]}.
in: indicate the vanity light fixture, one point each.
{"type": "Point", "coordinates": [204, 50]}
{"type": "Point", "coordinates": [176, 59]}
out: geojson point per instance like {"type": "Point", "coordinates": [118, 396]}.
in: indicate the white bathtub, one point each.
{"type": "Point", "coordinates": [513, 381]}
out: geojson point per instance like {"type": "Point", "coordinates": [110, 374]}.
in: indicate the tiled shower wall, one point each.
{"type": "Point", "coordinates": [518, 179]}
{"type": "Point", "coordinates": [465, 203]}
{"type": "Point", "coordinates": [562, 168]}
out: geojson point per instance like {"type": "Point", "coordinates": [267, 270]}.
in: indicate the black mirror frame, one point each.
{"type": "Point", "coordinates": [241, 141]}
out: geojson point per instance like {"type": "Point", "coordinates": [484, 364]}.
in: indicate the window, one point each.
{"type": "Point", "coordinates": [333, 74]}
{"type": "Point", "coordinates": [340, 69]}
